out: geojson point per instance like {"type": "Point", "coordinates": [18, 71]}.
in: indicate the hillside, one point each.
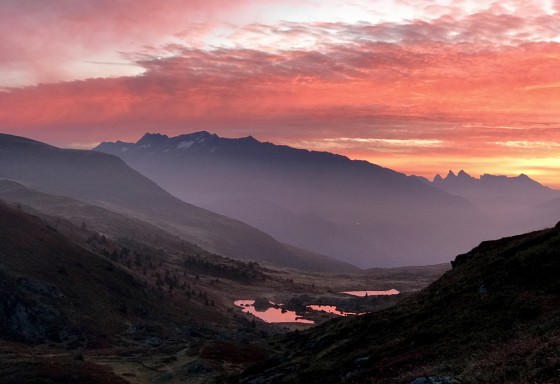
{"type": "Point", "coordinates": [66, 292]}
{"type": "Point", "coordinates": [493, 318]}
{"type": "Point", "coordinates": [106, 181]}
{"type": "Point", "coordinates": [355, 211]}
{"type": "Point", "coordinates": [73, 300]}
{"type": "Point", "coordinates": [54, 289]}
{"type": "Point", "coordinates": [84, 215]}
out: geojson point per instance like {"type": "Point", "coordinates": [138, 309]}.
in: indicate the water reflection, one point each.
{"type": "Point", "coordinates": [332, 309]}
{"type": "Point", "coordinates": [372, 293]}
{"type": "Point", "coordinates": [272, 314]}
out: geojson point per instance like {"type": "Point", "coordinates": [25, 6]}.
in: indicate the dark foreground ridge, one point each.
{"type": "Point", "coordinates": [494, 318]}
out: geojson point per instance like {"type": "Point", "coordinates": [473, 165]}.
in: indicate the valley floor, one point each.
{"type": "Point", "coordinates": [202, 355]}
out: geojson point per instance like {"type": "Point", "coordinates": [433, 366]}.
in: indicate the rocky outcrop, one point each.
{"type": "Point", "coordinates": [26, 318]}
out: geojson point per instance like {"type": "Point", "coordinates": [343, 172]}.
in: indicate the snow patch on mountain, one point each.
{"type": "Point", "coordinates": [185, 144]}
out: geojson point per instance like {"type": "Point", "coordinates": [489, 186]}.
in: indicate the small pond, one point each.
{"type": "Point", "coordinates": [271, 314]}
{"type": "Point", "coordinates": [332, 309]}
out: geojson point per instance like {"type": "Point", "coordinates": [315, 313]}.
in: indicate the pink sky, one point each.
{"type": "Point", "coordinates": [418, 86]}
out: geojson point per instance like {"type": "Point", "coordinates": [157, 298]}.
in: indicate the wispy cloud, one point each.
{"type": "Point", "coordinates": [410, 143]}
{"type": "Point", "coordinates": [529, 144]}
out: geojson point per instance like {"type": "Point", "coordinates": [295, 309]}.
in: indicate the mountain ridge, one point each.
{"type": "Point", "coordinates": [515, 201]}
{"type": "Point", "coordinates": [463, 179]}
{"type": "Point", "coordinates": [106, 180]}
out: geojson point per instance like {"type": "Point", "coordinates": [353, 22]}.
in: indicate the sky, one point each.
{"type": "Point", "coordinates": [414, 85]}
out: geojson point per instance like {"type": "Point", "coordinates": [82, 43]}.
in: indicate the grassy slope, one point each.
{"type": "Point", "coordinates": [59, 293]}
{"type": "Point", "coordinates": [86, 293]}
{"type": "Point", "coordinates": [509, 334]}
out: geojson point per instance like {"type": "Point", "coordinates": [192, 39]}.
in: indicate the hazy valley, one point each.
{"type": "Point", "coordinates": [109, 278]}
{"type": "Point", "coordinates": [354, 211]}
{"type": "Point", "coordinates": [76, 300]}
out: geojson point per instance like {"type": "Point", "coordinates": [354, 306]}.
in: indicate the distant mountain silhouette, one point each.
{"type": "Point", "coordinates": [516, 202]}
{"type": "Point", "coordinates": [106, 181]}
{"type": "Point", "coordinates": [487, 189]}
{"type": "Point", "coordinates": [352, 210]}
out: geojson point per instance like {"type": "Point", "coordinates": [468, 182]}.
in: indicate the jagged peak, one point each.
{"type": "Point", "coordinates": [158, 139]}
{"type": "Point", "coordinates": [150, 138]}
{"type": "Point", "coordinates": [193, 136]}
{"type": "Point", "coordinates": [462, 173]}
{"type": "Point", "coordinates": [437, 178]}
{"type": "Point", "coordinates": [450, 174]}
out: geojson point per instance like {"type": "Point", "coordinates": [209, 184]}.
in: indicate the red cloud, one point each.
{"type": "Point", "coordinates": [342, 84]}
{"type": "Point", "coordinates": [49, 41]}
{"type": "Point", "coordinates": [420, 90]}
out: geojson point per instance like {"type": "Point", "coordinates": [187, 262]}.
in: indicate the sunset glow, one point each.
{"type": "Point", "coordinates": [417, 86]}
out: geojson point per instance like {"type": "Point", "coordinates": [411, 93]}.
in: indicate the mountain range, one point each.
{"type": "Point", "coordinates": [496, 193]}
{"type": "Point", "coordinates": [519, 204]}
{"type": "Point", "coordinates": [350, 210]}
{"type": "Point", "coordinates": [314, 203]}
